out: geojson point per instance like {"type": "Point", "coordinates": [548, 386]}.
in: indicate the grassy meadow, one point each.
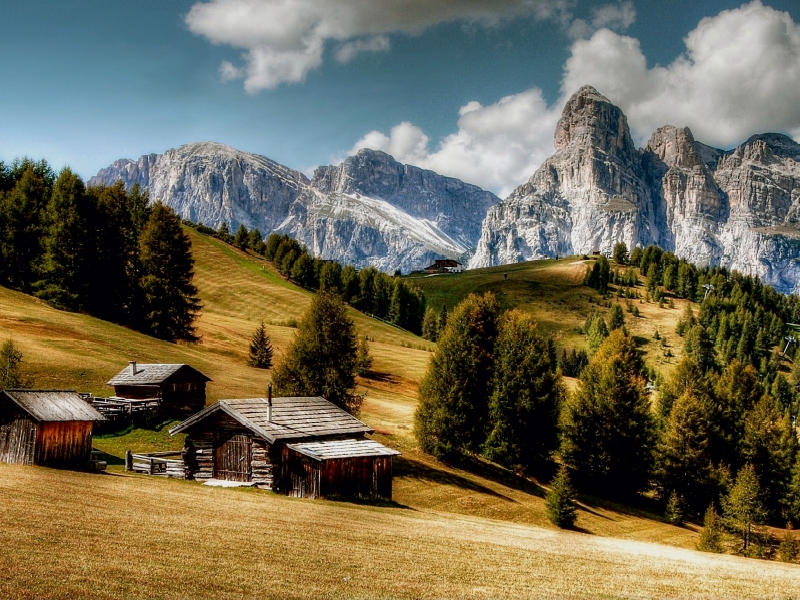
{"type": "Point", "coordinates": [470, 531]}
{"type": "Point", "coordinates": [73, 535]}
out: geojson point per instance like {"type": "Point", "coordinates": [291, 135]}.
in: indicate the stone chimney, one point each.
{"type": "Point", "coordinates": [269, 401]}
{"type": "Point", "coordinates": [133, 367]}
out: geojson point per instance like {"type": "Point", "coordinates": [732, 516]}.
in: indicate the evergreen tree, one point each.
{"type": "Point", "coordinates": [273, 241]}
{"type": "Point", "coordinates": [616, 317]}
{"type": "Point", "coordinates": [255, 241]}
{"type": "Point", "coordinates": [607, 431]}
{"type": "Point", "coordinates": [711, 536]}
{"type": "Point", "coordinates": [687, 320]}
{"type": "Point", "coordinates": [67, 244]}
{"type": "Point", "coordinates": [260, 349]}
{"type": "Point", "coordinates": [675, 511]}
{"type": "Point", "coordinates": [523, 407]}
{"type": "Point", "coordinates": [350, 285]}
{"type": "Point", "coordinates": [743, 510]}
{"type": "Point", "coordinates": [330, 278]}
{"type": "Point", "coordinates": [224, 233]}
{"type": "Point", "coordinates": [684, 459]}
{"type": "Point", "coordinates": [620, 253]}
{"type": "Point", "coordinates": [737, 392]}
{"type": "Point", "coordinates": [167, 270]}
{"type": "Point", "coordinates": [430, 327]}
{"type": "Point", "coordinates": [787, 549]}
{"type": "Point", "coordinates": [11, 372]}
{"type": "Point", "coordinates": [560, 501]}
{"type": "Point", "coordinates": [440, 327]}
{"type": "Point", "coordinates": [452, 414]}
{"type": "Point", "coordinates": [321, 360]}
{"type": "Point", "coordinates": [303, 271]}
{"type": "Point", "coordinates": [363, 358]}
{"type": "Point", "coordinates": [769, 444]}
{"type": "Point", "coordinates": [597, 331]}
{"type": "Point", "coordinates": [241, 239]}
{"type": "Point", "coordinates": [698, 346]}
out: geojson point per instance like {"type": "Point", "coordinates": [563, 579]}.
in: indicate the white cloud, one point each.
{"type": "Point", "coordinates": [496, 147]}
{"type": "Point", "coordinates": [617, 16]}
{"type": "Point", "coordinates": [349, 50]}
{"type": "Point", "coordinates": [285, 39]}
{"type": "Point", "coordinates": [227, 72]}
{"type": "Point", "coordinates": [740, 75]}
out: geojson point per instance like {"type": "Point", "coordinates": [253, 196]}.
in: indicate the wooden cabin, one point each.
{"type": "Point", "coordinates": [303, 447]}
{"type": "Point", "coordinates": [445, 266]}
{"type": "Point", "coordinates": [179, 389]}
{"type": "Point", "coordinates": [49, 428]}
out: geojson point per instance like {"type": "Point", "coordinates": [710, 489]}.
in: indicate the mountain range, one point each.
{"type": "Point", "coordinates": [739, 208]}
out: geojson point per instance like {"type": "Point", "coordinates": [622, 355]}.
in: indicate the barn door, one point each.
{"type": "Point", "coordinates": [233, 459]}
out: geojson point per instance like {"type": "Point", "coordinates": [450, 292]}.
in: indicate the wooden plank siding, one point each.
{"type": "Point", "coordinates": [17, 434]}
{"type": "Point", "coordinates": [64, 444]}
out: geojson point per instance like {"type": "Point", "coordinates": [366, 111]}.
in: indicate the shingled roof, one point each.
{"type": "Point", "coordinates": [292, 418]}
{"type": "Point", "coordinates": [349, 448]}
{"type": "Point", "coordinates": [54, 405]}
{"type": "Point", "coordinates": [149, 374]}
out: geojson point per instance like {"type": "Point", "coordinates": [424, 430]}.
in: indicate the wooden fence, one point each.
{"type": "Point", "coordinates": [163, 464]}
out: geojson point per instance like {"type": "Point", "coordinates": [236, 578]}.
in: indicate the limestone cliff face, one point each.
{"type": "Point", "coordinates": [588, 196]}
{"type": "Point", "coordinates": [370, 210]}
{"type": "Point", "coordinates": [739, 208]}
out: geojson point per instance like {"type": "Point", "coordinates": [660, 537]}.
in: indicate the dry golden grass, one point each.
{"type": "Point", "coordinates": [75, 536]}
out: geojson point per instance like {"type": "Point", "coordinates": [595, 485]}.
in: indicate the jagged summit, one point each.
{"type": "Point", "coordinates": [739, 208]}
{"type": "Point", "coordinates": [590, 120]}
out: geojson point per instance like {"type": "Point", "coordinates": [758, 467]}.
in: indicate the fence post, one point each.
{"type": "Point", "coordinates": [128, 461]}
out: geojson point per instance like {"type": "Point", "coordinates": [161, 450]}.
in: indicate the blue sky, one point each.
{"type": "Point", "coordinates": [471, 88]}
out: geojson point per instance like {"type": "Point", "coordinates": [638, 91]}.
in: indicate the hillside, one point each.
{"type": "Point", "coordinates": [552, 291]}
{"type": "Point", "coordinates": [77, 351]}
{"type": "Point", "coordinates": [73, 536]}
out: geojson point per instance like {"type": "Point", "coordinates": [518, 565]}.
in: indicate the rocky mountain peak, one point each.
{"type": "Point", "coordinates": [369, 172]}
{"type": "Point", "coordinates": [590, 120]}
{"type": "Point", "coordinates": [675, 146]}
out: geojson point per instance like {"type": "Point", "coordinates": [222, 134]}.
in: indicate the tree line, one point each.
{"type": "Point", "coordinates": [99, 250]}
{"type": "Point", "coordinates": [718, 435]}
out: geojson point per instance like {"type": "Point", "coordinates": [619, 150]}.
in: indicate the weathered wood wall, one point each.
{"type": "Point", "coordinates": [64, 444]}
{"type": "Point", "coordinates": [17, 434]}
{"type": "Point", "coordinates": [179, 402]}
{"type": "Point", "coordinates": [369, 478]}
{"type": "Point", "coordinates": [202, 451]}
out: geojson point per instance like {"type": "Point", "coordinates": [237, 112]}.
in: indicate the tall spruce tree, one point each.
{"type": "Point", "coordinates": [430, 325]}
{"type": "Point", "coordinates": [608, 436]}
{"type": "Point", "coordinates": [170, 297]}
{"type": "Point", "coordinates": [452, 415]}
{"type": "Point", "coordinates": [322, 359]}
{"type": "Point", "coordinates": [260, 349]}
{"type": "Point", "coordinates": [523, 407]}
{"type": "Point", "coordinates": [743, 511]}
{"type": "Point", "coordinates": [242, 238]}
{"type": "Point", "coordinates": [560, 501]}
{"type": "Point", "coordinates": [684, 459]}
{"type": "Point", "coordinates": [68, 244]}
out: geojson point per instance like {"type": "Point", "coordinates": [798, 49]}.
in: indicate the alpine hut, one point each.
{"type": "Point", "coordinates": [303, 447]}
{"type": "Point", "coordinates": [179, 389]}
{"type": "Point", "coordinates": [49, 428]}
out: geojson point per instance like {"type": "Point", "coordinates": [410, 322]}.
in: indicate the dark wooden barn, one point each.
{"type": "Point", "coordinates": [304, 447]}
{"type": "Point", "coordinates": [49, 428]}
{"type": "Point", "coordinates": [180, 389]}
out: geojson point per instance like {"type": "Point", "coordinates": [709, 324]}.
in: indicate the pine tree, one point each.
{"type": "Point", "coordinates": [330, 278]}
{"type": "Point", "coordinates": [440, 327]}
{"type": "Point", "coordinates": [560, 501]}
{"type": "Point", "coordinates": [608, 436]}
{"type": "Point", "coordinates": [597, 331]}
{"type": "Point", "coordinates": [743, 510]}
{"type": "Point", "coordinates": [620, 253]}
{"type": "Point", "coordinates": [363, 358]}
{"type": "Point", "coordinates": [321, 360]}
{"type": "Point", "coordinates": [240, 240]}
{"type": "Point", "coordinates": [675, 511]}
{"type": "Point", "coordinates": [452, 415]}
{"type": "Point", "coordinates": [684, 458]}
{"type": "Point", "coordinates": [11, 372]}
{"type": "Point", "coordinates": [68, 245]}
{"type": "Point", "coordinates": [787, 549]}
{"type": "Point", "coordinates": [430, 325]}
{"type": "Point", "coordinates": [711, 536]}
{"type": "Point", "coordinates": [616, 317]}
{"type": "Point", "coordinates": [523, 407]}
{"type": "Point", "coordinates": [167, 270]}
{"type": "Point", "coordinates": [260, 349]}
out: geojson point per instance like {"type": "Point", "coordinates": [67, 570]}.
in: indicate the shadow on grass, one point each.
{"type": "Point", "coordinates": [640, 506]}
{"type": "Point", "coordinates": [414, 469]}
